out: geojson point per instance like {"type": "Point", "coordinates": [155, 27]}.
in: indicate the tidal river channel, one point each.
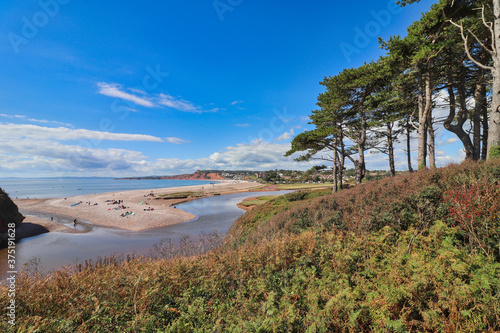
{"type": "Point", "coordinates": [56, 249]}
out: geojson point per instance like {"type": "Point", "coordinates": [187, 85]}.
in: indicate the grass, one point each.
{"type": "Point", "coordinates": [395, 255]}
{"type": "Point", "coordinates": [258, 201]}
{"type": "Point", "coordinates": [300, 186]}
{"type": "Point", "coordinates": [181, 195]}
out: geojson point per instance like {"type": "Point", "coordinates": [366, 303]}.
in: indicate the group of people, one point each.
{"type": "Point", "coordinates": [149, 195]}
{"type": "Point", "coordinates": [75, 221]}
{"type": "Point", "coordinates": [119, 207]}
{"type": "Point", "coordinates": [114, 202]}
{"type": "Point", "coordinates": [127, 214]}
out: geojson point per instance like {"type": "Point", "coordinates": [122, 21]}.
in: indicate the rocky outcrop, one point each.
{"type": "Point", "coordinates": [9, 213]}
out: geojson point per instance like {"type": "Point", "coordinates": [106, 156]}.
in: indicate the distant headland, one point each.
{"type": "Point", "coordinates": [198, 175]}
{"type": "Point", "coordinates": [317, 174]}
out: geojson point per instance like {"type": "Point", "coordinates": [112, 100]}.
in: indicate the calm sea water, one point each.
{"type": "Point", "coordinates": [44, 188]}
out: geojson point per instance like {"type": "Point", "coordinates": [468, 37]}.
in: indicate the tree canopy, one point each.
{"type": "Point", "coordinates": [448, 59]}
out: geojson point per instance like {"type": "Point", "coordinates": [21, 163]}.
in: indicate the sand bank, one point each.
{"type": "Point", "coordinates": [149, 209]}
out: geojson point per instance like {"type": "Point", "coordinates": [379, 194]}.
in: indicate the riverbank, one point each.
{"type": "Point", "coordinates": [128, 210]}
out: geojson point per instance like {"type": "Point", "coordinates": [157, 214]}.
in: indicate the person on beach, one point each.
{"type": "Point", "coordinates": [74, 223]}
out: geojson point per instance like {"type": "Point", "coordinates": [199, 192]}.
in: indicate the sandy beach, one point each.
{"type": "Point", "coordinates": [149, 209]}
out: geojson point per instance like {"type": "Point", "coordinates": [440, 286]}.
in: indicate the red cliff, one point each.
{"type": "Point", "coordinates": [196, 176]}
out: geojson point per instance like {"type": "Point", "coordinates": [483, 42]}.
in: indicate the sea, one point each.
{"type": "Point", "coordinates": [44, 188]}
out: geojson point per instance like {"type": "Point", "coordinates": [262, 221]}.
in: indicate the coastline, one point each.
{"type": "Point", "coordinates": [106, 209]}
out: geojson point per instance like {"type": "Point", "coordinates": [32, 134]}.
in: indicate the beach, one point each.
{"type": "Point", "coordinates": [128, 210]}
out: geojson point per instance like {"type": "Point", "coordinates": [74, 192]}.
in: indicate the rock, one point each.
{"type": "Point", "coordinates": [9, 213]}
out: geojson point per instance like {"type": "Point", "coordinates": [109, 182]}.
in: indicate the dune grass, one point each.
{"type": "Point", "coordinates": [184, 194]}
{"type": "Point", "coordinates": [258, 201]}
{"type": "Point", "coordinates": [300, 186]}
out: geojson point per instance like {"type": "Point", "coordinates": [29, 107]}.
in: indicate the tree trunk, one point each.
{"type": "Point", "coordinates": [335, 179]}
{"type": "Point", "coordinates": [390, 145]}
{"type": "Point", "coordinates": [462, 117]}
{"type": "Point", "coordinates": [422, 131]}
{"type": "Point", "coordinates": [494, 130]}
{"type": "Point", "coordinates": [480, 104]}
{"type": "Point", "coordinates": [342, 159]}
{"type": "Point", "coordinates": [432, 143]}
{"type": "Point", "coordinates": [423, 114]}
{"type": "Point", "coordinates": [335, 166]}
{"type": "Point", "coordinates": [484, 121]}
{"type": "Point", "coordinates": [458, 129]}
{"type": "Point", "coordinates": [360, 167]}
{"type": "Point", "coordinates": [408, 144]}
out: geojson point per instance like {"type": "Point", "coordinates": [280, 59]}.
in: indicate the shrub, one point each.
{"type": "Point", "coordinates": [296, 196]}
{"type": "Point", "coordinates": [476, 209]}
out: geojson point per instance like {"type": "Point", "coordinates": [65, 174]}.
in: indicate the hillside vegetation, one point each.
{"type": "Point", "coordinates": [418, 252]}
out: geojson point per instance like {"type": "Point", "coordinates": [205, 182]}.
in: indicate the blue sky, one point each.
{"type": "Point", "coordinates": [130, 88]}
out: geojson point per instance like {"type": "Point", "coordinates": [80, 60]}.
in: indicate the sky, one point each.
{"type": "Point", "coordinates": [136, 88]}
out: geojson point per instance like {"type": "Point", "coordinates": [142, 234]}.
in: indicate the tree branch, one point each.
{"type": "Point", "coordinates": [481, 43]}
{"type": "Point", "coordinates": [489, 25]}
{"type": "Point", "coordinates": [411, 122]}
{"type": "Point", "coordinates": [345, 155]}
{"type": "Point", "coordinates": [466, 44]}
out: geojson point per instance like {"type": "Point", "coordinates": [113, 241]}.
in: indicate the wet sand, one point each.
{"type": "Point", "coordinates": [148, 211]}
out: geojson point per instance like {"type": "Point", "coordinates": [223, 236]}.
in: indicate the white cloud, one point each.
{"type": "Point", "coordinates": [176, 141]}
{"type": "Point", "coordinates": [446, 159]}
{"type": "Point", "coordinates": [33, 150]}
{"type": "Point", "coordinates": [181, 104]}
{"type": "Point", "coordinates": [285, 136]}
{"type": "Point", "coordinates": [178, 104]}
{"type": "Point", "coordinates": [151, 101]}
{"type": "Point", "coordinates": [236, 102]}
{"type": "Point", "coordinates": [450, 141]}
{"type": "Point", "coordinates": [48, 155]}
{"type": "Point", "coordinates": [26, 118]}
{"type": "Point", "coordinates": [17, 131]}
{"type": "Point", "coordinates": [113, 90]}
{"type": "Point", "coordinates": [256, 155]}
{"type": "Point", "coordinates": [242, 125]}
{"type": "Point", "coordinates": [34, 155]}
{"type": "Point", "coordinates": [138, 91]}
